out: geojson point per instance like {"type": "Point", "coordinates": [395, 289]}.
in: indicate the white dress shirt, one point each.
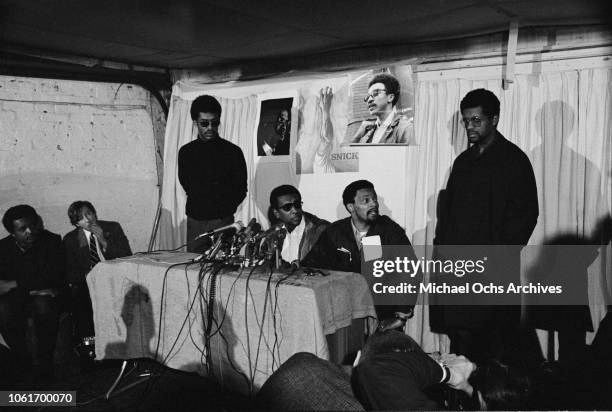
{"type": "Point", "coordinates": [88, 234]}
{"type": "Point", "coordinates": [291, 245]}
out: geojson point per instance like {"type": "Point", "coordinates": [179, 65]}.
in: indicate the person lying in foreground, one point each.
{"type": "Point", "coordinates": [392, 373]}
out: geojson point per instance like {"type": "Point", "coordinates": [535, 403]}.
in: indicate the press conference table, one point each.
{"type": "Point", "coordinates": [143, 308]}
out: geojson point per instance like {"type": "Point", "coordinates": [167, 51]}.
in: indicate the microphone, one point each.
{"type": "Point", "coordinates": [249, 228]}
{"type": "Point", "coordinates": [274, 230]}
{"type": "Point", "coordinates": [234, 226]}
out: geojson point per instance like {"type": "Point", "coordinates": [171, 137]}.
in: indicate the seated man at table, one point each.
{"type": "Point", "coordinates": [90, 242]}
{"type": "Point", "coordinates": [303, 228]}
{"type": "Point", "coordinates": [31, 282]}
{"type": "Point", "coordinates": [393, 373]}
{"type": "Point", "coordinates": [339, 247]}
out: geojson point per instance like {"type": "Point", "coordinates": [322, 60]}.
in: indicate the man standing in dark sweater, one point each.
{"type": "Point", "coordinates": [31, 281]}
{"type": "Point", "coordinates": [213, 173]}
{"type": "Point", "coordinates": [490, 199]}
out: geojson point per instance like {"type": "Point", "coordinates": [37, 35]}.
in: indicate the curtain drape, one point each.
{"type": "Point", "coordinates": [561, 120]}
{"type": "Point", "coordinates": [238, 119]}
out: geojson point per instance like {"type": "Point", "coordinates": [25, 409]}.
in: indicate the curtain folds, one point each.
{"type": "Point", "coordinates": [562, 122]}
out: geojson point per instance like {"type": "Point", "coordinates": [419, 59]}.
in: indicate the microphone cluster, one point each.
{"type": "Point", "coordinates": [245, 245]}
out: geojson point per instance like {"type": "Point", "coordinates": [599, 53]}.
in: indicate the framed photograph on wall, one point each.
{"type": "Point", "coordinates": [276, 127]}
{"type": "Point", "coordinates": [382, 108]}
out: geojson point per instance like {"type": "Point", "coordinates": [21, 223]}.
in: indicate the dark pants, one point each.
{"type": "Point", "coordinates": [197, 227]}
{"type": "Point", "coordinates": [82, 312]}
{"type": "Point", "coordinates": [500, 339]}
{"type": "Point", "coordinates": [572, 347]}
{"type": "Point", "coordinates": [15, 308]}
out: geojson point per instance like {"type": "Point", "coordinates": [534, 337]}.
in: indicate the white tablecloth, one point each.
{"type": "Point", "coordinates": [129, 315]}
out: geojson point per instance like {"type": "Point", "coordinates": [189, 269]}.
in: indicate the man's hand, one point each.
{"type": "Point", "coordinates": [267, 149]}
{"type": "Point", "coordinates": [405, 315]}
{"type": "Point", "coordinates": [7, 285]}
{"type": "Point", "coordinates": [97, 230]}
{"type": "Point", "coordinates": [365, 126]}
{"type": "Point", "coordinates": [461, 368]}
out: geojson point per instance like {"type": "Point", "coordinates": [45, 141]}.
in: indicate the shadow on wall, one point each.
{"type": "Point", "coordinates": [131, 202]}
{"type": "Point", "coordinates": [573, 211]}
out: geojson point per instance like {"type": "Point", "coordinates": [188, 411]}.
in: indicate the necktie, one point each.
{"type": "Point", "coordinates": [372, 131]}
{"type": "Point", "coordinates": [93, 251]}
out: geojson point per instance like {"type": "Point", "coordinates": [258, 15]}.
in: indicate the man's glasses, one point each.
{"type": "Point", "coordinates": [204, 123]}
{"type": "Point", "coordinates": [373, 95]}
{"type": "Point", "coordinates": [288, 206]}
{"type": "Point", "coordinates": [475, 120]}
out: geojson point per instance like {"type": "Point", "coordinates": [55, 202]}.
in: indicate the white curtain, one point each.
{"type": "Point", "coordinates": [238, 119]}
{"type": "Point", "coordinates": [562, 121]}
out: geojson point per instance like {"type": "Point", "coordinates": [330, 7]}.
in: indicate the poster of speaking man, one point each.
{"type": "Point", "coordinates": [323, 117]}
{"type": "Point", "coordinates": [382, 108]}
{"type": "Point", "coordinates": [274, 130]}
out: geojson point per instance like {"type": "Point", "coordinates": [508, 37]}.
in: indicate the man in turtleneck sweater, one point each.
{"type": "Point", "coordinates": [213, 173]}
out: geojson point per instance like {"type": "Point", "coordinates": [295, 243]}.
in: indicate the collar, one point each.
{"type": "Point", "coordinates": [209, 141]}
{"type": "Point", "coordinates": [388, 120]}
{"type": "Point", "coordinates": [357, 231]}
{"type": "Point", "coordinates": [475, 149]}
{"type": "Point", "coordinates": [299, 229]}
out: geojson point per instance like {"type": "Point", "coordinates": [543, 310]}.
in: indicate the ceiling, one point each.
{"type": "Point", "coordinates": [204, 34]}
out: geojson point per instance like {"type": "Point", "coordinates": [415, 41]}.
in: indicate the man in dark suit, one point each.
{"type": "Point", "coordinates": [90, 242]}
{"type": "Point", "coordinates": [31, 283]}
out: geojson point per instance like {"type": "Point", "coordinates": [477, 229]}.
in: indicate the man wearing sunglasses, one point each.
{"type": "Point", "coordinates": [303, 228]}
{"type": "Point", "coordinates": [490, 199]}
{"type": "Point", "coordinates": [386, 125]}
{"type": "Point", "coordinates": [213, 173]}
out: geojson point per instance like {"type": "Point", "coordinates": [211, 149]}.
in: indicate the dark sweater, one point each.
{"type": "Point", "coordinates": [39, 267]}
{"type": "Point", "coordinates": [214, 176]}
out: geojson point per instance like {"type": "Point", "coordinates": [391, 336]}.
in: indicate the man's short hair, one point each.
{"type": "Point", "coordinates": [391, 84]}
{"type": "Point", "coordinates": [205, 104]}
{"type": "Point", "coordinates": [483, 98]}
{"type": "Point", "coordinates": [75, 210]}
{"type": "Point", "coordinates": [348, 196]}
{"type": "Point", "coordinates": [16, 213]}
{"type": "Point", "coordinates": [282, 191]}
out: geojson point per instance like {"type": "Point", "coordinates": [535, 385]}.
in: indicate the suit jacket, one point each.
{"type": "Point", "coordinates": [312, 232]}
{"type": "Point", "coordinates": [393, 374]}
{"type": "Point", "coordinates": [40, 267]}
{"type": "Point", "coordinates": [399, 131]}
{"type": "Point", "coordinates": [76, 249]}
{"type": "Point", "coordinates": [325, 253]}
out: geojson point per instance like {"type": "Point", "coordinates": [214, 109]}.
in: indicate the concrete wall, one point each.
{"type": "Point", "coordinates": [62, 141]}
